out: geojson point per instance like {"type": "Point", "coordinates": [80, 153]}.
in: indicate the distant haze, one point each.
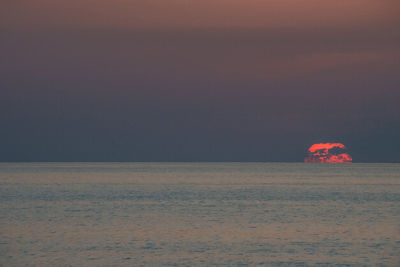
{"type": "Point", "coordinates": [211, 80]}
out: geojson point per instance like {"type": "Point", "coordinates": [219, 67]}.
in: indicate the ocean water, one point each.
{"type": "Point", "coordinates": [199, 214]}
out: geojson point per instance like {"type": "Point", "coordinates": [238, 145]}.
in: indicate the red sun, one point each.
{"type": "Point", "coordinates": [328, 153]}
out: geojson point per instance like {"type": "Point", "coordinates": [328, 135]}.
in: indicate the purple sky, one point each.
{"type": "Point", "coordinates": [180, 80]}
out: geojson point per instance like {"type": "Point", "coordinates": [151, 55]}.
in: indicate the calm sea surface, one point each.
{"type": "Point", "coordinates": [199, 214]}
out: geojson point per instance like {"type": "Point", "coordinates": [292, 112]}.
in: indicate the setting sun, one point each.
{"type": "Point", "coordinates": [328, 153]}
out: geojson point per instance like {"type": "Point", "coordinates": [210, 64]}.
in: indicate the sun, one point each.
{"type": "Point", "coordinates": [328, 153]}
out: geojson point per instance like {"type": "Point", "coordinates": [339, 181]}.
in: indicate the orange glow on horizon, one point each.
{"type": "Point", "coordinates": [328, 153]}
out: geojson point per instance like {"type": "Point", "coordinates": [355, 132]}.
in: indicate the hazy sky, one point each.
{"type": "Point", "coordinates": [210, 80]}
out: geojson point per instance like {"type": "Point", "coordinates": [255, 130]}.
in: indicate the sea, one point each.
{"type": "Point", "coordinates": [199, 214]}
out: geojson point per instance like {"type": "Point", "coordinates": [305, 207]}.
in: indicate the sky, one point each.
{"type": "Point", "coordinates": [191, 80]}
